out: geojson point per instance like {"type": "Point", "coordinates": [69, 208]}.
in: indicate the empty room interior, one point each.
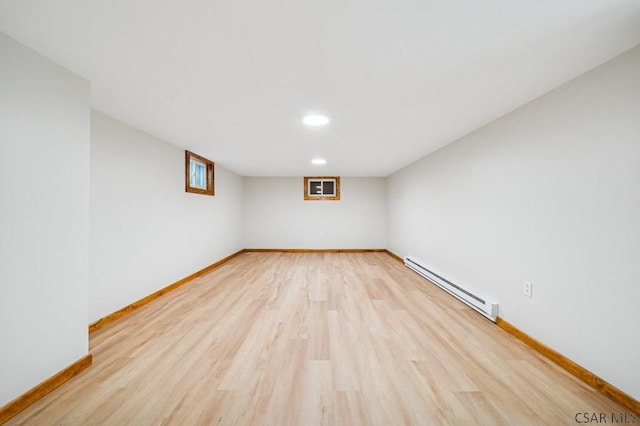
{"type": "Point", "coordinates": [217, 212]}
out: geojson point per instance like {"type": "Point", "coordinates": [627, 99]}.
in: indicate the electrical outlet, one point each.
{"type": "Point", "coordinates": [528, 288]}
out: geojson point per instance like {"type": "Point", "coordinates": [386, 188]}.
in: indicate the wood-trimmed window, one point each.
{"type": "Point", "coordinates": [199, 175]}
{"type": "Point", "coordinates": [321, 188]}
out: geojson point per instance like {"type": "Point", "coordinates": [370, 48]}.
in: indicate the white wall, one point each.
{"type": "Point", "coordinates": [44, 218]}
{"type": "Point", "coordinates": [548, 193]}
{"type": "Point", "coordinates": [277, 216]}
{"type": "Point", "coordinates": [146, 231]}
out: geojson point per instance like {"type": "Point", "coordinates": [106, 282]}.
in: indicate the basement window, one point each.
{"type": "Point", "coordinates": [322, 188]}
{"type": "Point", "coordinates": [199, 177]}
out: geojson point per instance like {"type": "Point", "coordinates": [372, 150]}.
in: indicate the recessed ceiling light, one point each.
{"type": "Point", "coordinates": [315, 120]}
{"type": "Point", "coordinates": [319, 161]}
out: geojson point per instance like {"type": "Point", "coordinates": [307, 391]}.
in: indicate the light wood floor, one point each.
{"type": "Point", "coordinates": [311, 339]}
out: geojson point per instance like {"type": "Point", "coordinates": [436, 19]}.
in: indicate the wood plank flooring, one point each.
{"type": "Point", "coordinates": [312, 339]}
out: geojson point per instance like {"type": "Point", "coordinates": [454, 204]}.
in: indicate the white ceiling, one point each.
{"type": "Point", "coordinates": [231, 80]}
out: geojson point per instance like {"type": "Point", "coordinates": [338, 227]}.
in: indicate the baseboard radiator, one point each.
{"type": "Point", "coordinates": [476, 301]}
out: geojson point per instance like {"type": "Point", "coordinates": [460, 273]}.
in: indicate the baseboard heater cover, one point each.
{"type": "Point", "coordinates": [476, 301]}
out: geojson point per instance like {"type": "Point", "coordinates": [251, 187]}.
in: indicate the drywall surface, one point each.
{"type": "Point", "coordinates": [44, 218]}
{"type": "Point", "coordinates": [547, 194]}
{"type": "Point", "coordinates": [146, 231]}
{"type": "Point", "coordinates": [276, 215]}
